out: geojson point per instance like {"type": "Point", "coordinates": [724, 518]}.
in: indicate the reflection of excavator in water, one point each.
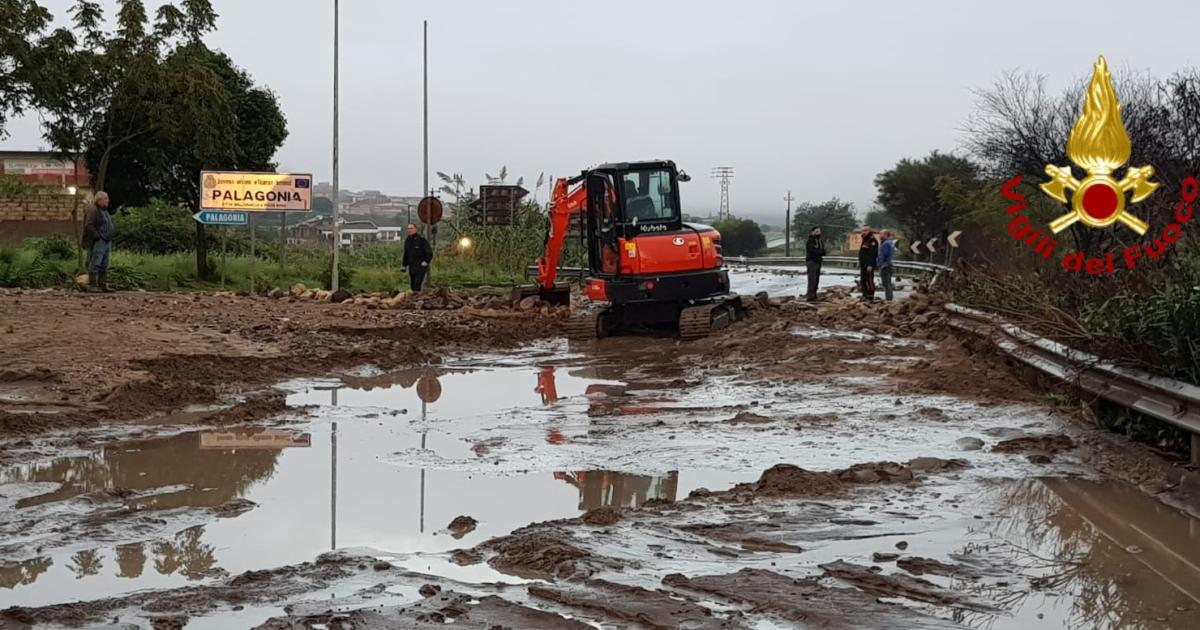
{"type": "Point", "coordinates": [606, 488]}
{"type": "Point", "coordinates": [646, 267]}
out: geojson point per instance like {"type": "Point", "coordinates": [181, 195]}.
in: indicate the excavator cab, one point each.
{"type": "Point", "coordinates": [646, 266]}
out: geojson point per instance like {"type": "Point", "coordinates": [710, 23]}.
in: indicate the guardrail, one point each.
{"type": "Point", "coordinates": [1171, 401]}
{"type": "Point", "coordinates": [844, 262]}
{"type": "Point", "coordinates": [847, 262]}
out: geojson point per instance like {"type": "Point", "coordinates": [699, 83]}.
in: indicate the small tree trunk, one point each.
{"type": "Point", "coordinates": [102, 171]}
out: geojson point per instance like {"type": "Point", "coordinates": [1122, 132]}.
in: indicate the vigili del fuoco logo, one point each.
{"type": "Point", "coordinates": [1099, 145]}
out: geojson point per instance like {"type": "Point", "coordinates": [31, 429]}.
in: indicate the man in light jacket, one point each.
{"type": "Point", "coordinates": [886, 261]}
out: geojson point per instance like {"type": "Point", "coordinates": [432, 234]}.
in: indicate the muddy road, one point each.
{"type": "Point", "coordinates": [843, 466]}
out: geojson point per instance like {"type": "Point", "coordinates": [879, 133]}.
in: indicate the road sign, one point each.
{"type": "Point", "coordinates": [430, 210]}
{"type": "Point", "coordinates": [915, 248]}
{"type": "Point", "coordinates": [218, 217]}
{"type": "Point", "coordinates": [256, 192]}
{"type": "Point", "coordinates": [952, 239]}
{"type": "Point", "coordinates": [929, 245]}
{"type": "Point", "coordinates": [429, 389]}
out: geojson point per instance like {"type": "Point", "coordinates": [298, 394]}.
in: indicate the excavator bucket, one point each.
{"type": "Point", "coordinates": [560, 295]}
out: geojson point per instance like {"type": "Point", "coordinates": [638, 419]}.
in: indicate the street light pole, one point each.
{"type": "Point", "coordinates": [787, 226]}
{"type": "Point", "coordinates": [337, 240]}
{"type": "Point", "coordinates": [425, 81]}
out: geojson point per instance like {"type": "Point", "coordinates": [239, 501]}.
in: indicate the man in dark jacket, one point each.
{"type": "Point", "coordinates": [97, 239]}
{"type": "Point", "coordinates": [814, 253]}
{"type": "Point", "coordinates": [868, 254]}
{"type": "Point", "coordinates": [417, 254]}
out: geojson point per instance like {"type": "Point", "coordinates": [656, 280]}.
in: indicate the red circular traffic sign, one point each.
{"type": "Point", "coordinates": [430, 210]}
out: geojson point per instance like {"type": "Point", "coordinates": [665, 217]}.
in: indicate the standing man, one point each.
{"type": "Point", "coordinates": [97, 239]}
{"type": "Point", "coordinates": [885, 262]}
{"type": "Point", "coordinates": [868, 254]}
{"type": "Point", "coordinates": [814, 254]}
{"type": "Point", "coordinates": [417, 254]}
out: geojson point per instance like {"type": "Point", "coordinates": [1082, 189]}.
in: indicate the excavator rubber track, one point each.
{"type": "Point", "coordinates": [587, 324]}
{"type": "Point", "coordinates": [697, 322]}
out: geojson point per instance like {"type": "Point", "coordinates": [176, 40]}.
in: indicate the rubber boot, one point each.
{"type": "Point", "coordinates": [104, 283]}
{"type": "Point", "coordinates": [93, 285]}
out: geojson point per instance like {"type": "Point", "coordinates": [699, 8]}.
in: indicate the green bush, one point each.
{"type": "Point", "coordinates": [57, 247]}
{"type": "Point", "coordinates": [26, 268]}
{"type": "Point", "coordinates": [156, 229]}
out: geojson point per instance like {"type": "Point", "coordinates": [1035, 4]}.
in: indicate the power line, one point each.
{"type": "Point", "coordinates": [724, 174]}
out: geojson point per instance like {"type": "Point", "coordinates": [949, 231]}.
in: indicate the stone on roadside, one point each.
{"type": "Point", "coordinates": [969, 443]}
{"type": "Point", "coordinates": [298, 289]}
{"type": "Point", "coordinates": [275, 293]}
{"type": "Point", "coordinates": [339, 296]}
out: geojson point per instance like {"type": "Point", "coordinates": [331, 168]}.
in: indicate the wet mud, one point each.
{"type": "Point", "coordinates": [842, 466]}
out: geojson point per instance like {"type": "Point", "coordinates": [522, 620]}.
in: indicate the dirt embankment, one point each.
{"type": "Point", "coordinates": [790, 340]}
{"type": "Point", "coordinates": [76, 360]}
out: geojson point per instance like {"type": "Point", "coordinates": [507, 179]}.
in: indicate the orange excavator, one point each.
{"type": "Point", "coordinates": [646, 267]}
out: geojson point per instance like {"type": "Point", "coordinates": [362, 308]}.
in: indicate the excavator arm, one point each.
{"type": "Point", "coordinates": [564, 203]}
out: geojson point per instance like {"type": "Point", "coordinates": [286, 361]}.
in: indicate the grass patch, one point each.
{"type": "Point", "coordinates": [37, 265]}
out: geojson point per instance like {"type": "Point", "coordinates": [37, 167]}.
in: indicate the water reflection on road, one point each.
{"type": "Point", "coordinates": [1102, 555]}
{"type": "Point", "coordinates": [339, 482]}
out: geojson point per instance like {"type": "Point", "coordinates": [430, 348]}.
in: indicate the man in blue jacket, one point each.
{"type": "Point", "coordinates": [886, 261]}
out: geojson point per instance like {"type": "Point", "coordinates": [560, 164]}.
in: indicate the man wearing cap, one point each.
{"type": "Point", "coordinates": [868, 254]}
{"type": "Point", "coordinates": [814, 254]}
{"type": "Point", "coordinates": [417, 254]}
{"type": "Point", "coordinates": [97, 239]}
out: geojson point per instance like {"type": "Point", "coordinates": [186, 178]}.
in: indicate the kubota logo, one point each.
{"type": "Point", "coordinates": [1099, 145]}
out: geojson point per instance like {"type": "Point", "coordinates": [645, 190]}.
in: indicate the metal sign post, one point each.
{"type": "Point", "coordinates": [224, 230]}
{"type": "Point", "coordinates": [282, 243]}
{"type": "Point", "coordinates": [253, 256]}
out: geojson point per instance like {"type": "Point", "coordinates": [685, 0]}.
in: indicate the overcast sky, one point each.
{"type": "Point", "coordinates": [816, 97]}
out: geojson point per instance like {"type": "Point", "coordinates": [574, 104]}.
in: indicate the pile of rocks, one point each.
{"type": "Point", "coordinates": [436, 299]}
{"type": "Point", "coordinates": [920, 316]}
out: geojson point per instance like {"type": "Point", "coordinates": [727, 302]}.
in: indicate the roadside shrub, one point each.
{"type": "Point", "coordinates": [9, 272]}
{"type": "Point", "coordinates": [155, 229]}
{"type": "Point", "coordinates": [56, 247]}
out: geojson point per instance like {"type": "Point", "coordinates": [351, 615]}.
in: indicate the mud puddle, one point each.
{"type": "Point", "coordinates": [364, 474]}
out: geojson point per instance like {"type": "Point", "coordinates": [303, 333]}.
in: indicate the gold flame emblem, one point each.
{"type": "Point", "coordinates": [1099, 144]}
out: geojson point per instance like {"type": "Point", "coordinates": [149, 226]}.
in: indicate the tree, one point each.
{"type": "Point", "coordinates": [909, 193]}
{"type": "Point", "coordinates": [208, 115]}
{"type": "Point", "coordinates": [835, 217]}
{"type": "Point", "coordinates": [879, 218]}
{"type": "Point", "coordinates": [22, 23]}
{"type": "Point", "coordinates": [741, 237]}
{"type": "Point", "coordinates": [98, 91]}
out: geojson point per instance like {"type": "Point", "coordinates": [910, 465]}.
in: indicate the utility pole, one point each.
{"type": "Point", "coordinates": [723, 174]}
{"type": "Point", "coordinates": [787, 226]}
{"type": "Point", "coordinates": [337, 239]}
{"type": "Point", "coordinates": [425, 80]}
